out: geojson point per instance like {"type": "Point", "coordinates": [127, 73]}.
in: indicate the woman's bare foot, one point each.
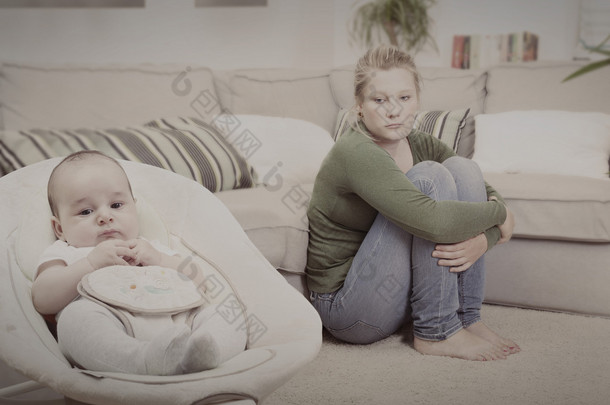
{"type": "Point", "coordinates": [482, 330]}
{"type": "Point", "coordinates": [463, 345]}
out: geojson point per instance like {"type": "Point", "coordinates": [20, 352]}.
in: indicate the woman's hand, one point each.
{"type": "Point", "coordinates": [460, 256]}
{"type": "Point", "coordinates": [506, 229]}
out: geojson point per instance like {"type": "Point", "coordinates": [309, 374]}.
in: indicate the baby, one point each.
{"type": "Point", "coordinates": [95, 220]}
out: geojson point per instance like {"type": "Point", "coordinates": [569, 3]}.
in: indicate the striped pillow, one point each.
{"type": "Point", "coordinates": [202, 155]}
{"type": "Point", "coordinates": [444, 125]}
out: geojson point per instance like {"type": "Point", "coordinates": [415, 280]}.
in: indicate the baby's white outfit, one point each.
{"type": "Point", "coordinates": [141, 320]}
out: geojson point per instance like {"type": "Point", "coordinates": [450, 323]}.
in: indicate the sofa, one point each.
{"type": "Point", "coordinates": [278, 125]}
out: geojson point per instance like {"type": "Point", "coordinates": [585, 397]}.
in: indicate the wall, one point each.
{"type": "Point", "coordinates": [286, 33]}
{"type": "Point", "coordinates": [555, 21]}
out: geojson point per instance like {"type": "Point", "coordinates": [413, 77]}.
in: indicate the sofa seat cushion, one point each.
{"type": "Point", "coordinates": [556, 207]}
{"type": "Point", "coordinates": [275, 220]}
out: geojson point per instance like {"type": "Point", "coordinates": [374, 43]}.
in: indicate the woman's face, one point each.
{"type": "Point", "coordinates": [389, 104]}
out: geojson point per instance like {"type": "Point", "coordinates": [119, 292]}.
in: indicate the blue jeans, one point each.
{"type": "Point", "coordinates": [394, 278]}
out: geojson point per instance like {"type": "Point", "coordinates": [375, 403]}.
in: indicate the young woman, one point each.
{"type": "Point", "coordinates": [399, 225]}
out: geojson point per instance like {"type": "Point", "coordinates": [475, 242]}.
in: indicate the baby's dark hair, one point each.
{"type": "Point", "coordinates": [80, 155]}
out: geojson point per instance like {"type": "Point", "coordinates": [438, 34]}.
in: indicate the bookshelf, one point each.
{"type": "Point", "coordinates": [484, 50]}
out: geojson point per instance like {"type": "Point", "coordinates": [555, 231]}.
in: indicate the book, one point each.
{"type": "Point", "coordinates": [457, 55]}
{"type": "Point", "coordinates": [530, 46]}
{"type": "Point", "coordinates": [475, 51]}
{"type": "Point", "coordinates": [516, 47]}
{"type": "Point", "coordinates": [466, 53]}
{"type": "Point", "coordinates": [481, 51]}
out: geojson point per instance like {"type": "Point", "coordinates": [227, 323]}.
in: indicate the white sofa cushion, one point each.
{"type": "Point", "coordinates": [70, 96]}
{"type": "Point", "coordinates": [554, 142]}
{"type": "Point", "coordinates": [281, 150]}
{"type": "Point", "coordinates": [556, 207]}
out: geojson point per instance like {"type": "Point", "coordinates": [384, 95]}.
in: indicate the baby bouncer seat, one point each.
{"type": "Point", "coordinates": [284, 331]}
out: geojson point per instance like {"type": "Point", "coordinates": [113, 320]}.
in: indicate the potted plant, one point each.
{"type": "Point", "coordinates": [405, 22]}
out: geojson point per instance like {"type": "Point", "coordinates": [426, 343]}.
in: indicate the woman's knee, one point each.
{"type": "Point", "coordinates": [468, 178]}
{"type": "Point", "coordinates": [461, 166]}
{"type": "Point", "coordinates": [434, 180]}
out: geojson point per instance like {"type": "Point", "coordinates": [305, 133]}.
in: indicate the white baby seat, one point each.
{"type": "Point", "coordinates": [284, 331]}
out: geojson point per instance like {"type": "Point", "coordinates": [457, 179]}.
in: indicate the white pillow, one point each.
{"type": "Point", "coordinates": [281, 150]}
{"type": "Point", "coordinates": [555, 142]}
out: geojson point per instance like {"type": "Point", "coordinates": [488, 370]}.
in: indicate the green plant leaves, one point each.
{"type": "Point", "coordinates": [588, 68]}
{"type": "Point", "coordinates": [594, 65]}
{"type": "Point", "coordinates": [405, 22]}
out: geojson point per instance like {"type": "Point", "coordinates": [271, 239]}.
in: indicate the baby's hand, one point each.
{"type": "Point", "coordinates": [143, 253]}
{"type": "Point", "coordinates": [108, 253]}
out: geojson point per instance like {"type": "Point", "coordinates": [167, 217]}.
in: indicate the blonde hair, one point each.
{"type": "Point", "coordinates": [382, 57]}
{"type": "Point", "coordinates": [80, 155]}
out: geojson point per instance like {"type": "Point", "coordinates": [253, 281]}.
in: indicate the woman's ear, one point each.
{"type": "Point", "coordinates": [57, 228]}
{"type": "Point", "coordinates": [358, 109]}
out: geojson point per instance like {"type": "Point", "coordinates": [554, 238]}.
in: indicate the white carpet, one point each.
{"type": "Point", "coordinates": [564, 359]}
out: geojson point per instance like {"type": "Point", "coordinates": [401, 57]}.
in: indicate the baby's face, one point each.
{"type": "Point", "coordinates": [94, 203]}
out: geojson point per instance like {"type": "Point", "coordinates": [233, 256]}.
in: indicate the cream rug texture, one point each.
{"type": "Point", "coordinates": [564, 360]}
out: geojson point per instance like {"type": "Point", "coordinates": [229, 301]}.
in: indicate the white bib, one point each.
{"type": "Point", "coordinates": [147, 290]}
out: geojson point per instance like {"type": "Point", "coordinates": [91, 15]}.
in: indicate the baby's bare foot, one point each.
{"type": "Point", "coordinates": [463, 345]}
{"type": "Point", "coordinates": [506, 345]}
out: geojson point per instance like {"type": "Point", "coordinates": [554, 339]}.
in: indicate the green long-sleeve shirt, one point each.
{"type": "Point", "coordinates": [357, 180]}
